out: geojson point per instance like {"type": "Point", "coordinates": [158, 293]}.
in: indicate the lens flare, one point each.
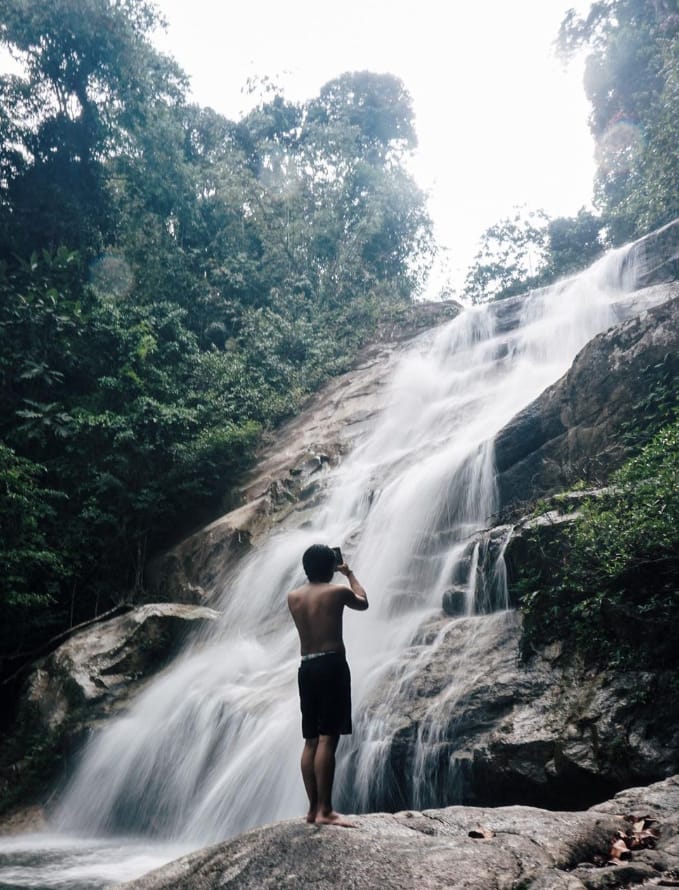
{"type": "Point", "coordinates": [620, 147]}
{"type": "Point", "coordinates": [111, 276]}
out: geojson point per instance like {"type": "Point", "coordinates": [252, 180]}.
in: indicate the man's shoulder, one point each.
{"type": "Point", "coordinates": [330, 587]}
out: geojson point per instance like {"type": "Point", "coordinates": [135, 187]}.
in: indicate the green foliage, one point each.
{"type": "Point", "coordinates": [610, 589]}
{"type": "Point", "coordinates": [632, 82]}
{"type": "Point", "coordinates": [88, 76]}
{"type": "Point", "coordinates": [32, 565]}
{"type": "Point", "coordinates": [531, 250]}
{"type": "Point", "coordinates": [632, 79]}
{"type": "Point", "coordinates": [573, 244]}
{"type": "Point", "coordinates": [658, 407]}
{"type": "Point", "coordinates": [511, 254]}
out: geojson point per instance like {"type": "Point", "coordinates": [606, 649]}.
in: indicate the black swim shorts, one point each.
{"type": "Point", "coordinates": [325, 695]}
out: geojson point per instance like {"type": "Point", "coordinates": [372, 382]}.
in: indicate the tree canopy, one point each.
{"type": "Point", "coordinates": [632, 82]}
{"type": "Point", "coordinates": [529, 250]}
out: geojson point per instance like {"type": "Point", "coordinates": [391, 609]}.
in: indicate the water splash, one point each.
{"type": "Point", "coordinates": [211, 748]}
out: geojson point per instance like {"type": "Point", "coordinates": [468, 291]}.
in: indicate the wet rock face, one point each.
{"type": "Point", "coordinates": [573, 430]}
{"type": "Point", "coordinates": [527, 849]}
{"type": "Point", "coordinates": [490, 729]}
{"type": "Point", "coordinates": [185, 573]}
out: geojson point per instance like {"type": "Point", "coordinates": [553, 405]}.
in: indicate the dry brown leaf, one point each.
{"type": "Point", "coordinates": [619, 850]}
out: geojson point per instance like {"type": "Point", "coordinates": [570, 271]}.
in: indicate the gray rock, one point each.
{"type": "Point", "coordinates": [183, 574]}
{"type": "Point", "coordinates": [102, 666]}
{"type": "Point", "coordinates": [455, 601]}
{"type": "Point", "coordinates": [653, 259]}
{"type": "Point", "coordinates": [482, 557]}
{"type": "Point", "coordinates": [531, 849]}
{"type": "Point", "coordinates": [573, 430]}
{"type": "Point", "coordinates": [538, 541]}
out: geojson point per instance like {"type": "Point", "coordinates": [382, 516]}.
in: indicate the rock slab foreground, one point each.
{"type": "Point", "coordinates": [530, 849]}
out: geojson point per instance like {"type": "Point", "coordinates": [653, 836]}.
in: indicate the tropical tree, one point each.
{"type": "Point", "coordinates": [511, 255]}
{"type": "Point", "coordinates": [531, 250]}
{"type": "Point", "coordinates": [89, 78]}
{"type": "Point", "coordinates": [573, 243]}
{"type": "Point", "coordinates": [631, 80]}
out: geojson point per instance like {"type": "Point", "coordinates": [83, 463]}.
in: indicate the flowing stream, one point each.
{"type": "Point", "coordinates": [212, 746]}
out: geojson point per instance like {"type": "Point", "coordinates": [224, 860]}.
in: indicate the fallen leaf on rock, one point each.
{"type": "Point", "coordinates": [482, 832]}
{"type": "Point", "coordinates": [639, 836]}
{"type": "Point", "coordinates": [643, 839]}
{"type": "Point", "coordinates": [619, 850]}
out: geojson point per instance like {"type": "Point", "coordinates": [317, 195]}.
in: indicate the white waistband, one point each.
{"type": "Point", "coordinates": [312, 655]}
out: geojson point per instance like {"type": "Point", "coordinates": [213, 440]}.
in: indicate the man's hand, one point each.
{"type": "Point", "coordinates": [359, 598]}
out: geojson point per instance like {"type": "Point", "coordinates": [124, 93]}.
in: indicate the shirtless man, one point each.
{"type": "Point", "coordinates": [323, 677]}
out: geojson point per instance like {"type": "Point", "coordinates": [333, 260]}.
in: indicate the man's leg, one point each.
{"type": "Point", "coordinates": [324, 769]}
{"type": "Point", "coordinates": [309, 777]}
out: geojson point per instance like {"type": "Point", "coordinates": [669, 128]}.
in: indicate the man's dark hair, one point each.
{"type": "Point", "coordinates": [319, 563]}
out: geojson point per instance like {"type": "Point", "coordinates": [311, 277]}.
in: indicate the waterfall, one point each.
{"type": "Point", "coordinates": [212, 746]}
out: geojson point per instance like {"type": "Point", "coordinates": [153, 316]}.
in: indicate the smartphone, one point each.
{"type": "Point", "coordinates": [338, 555]}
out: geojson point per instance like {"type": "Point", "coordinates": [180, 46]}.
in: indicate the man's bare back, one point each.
{"type": "Point", "coordinates": [317, 609]}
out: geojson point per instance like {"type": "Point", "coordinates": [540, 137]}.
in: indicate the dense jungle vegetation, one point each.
{"type": "Point", "coordinates": [173, 283]}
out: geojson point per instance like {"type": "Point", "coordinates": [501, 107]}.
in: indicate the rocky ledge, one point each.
{"type": "Point", "coordinates": [630, 841]}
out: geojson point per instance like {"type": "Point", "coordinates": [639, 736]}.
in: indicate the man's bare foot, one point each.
{"type": "Point", "coordinates": [311, 816]}
{"type": "Point", "coordinates": [333, 818]}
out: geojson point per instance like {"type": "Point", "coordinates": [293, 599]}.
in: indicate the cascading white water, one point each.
{"type": "Point", "coordinates": [212, 746]}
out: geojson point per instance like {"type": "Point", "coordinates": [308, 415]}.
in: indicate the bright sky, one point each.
{"type": "Point", "coordinates": [499, 122]}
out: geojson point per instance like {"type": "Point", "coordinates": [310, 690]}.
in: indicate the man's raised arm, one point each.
{"type": "Point", "coordinates": [357, 598]}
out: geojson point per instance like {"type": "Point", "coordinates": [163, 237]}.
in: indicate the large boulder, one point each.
{"type": "Point", "coordinates": [506, 848]}
{"type": "Point", "coordinates": [574, 429]}
{"type": "Point", "coordinates": [489, 728]}
{"type": "Point", "coordinates": [92, 675]}
{"type": "Point", "coordinates": [97, 670]}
